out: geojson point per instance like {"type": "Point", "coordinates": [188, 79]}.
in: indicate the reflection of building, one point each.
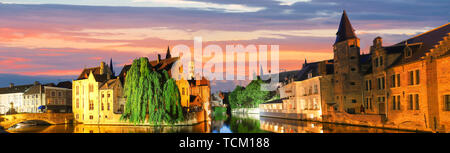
{"type": "Point", "coordinates": [48, 98]}
{"type": "Point", "coordinates": [12, 96]}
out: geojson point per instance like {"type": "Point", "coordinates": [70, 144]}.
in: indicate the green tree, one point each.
{"type": "Point", "coordinates": [144, 92]}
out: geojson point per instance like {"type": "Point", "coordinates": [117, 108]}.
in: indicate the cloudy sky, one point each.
{"type": "Point", "coordinates": [61, 37]}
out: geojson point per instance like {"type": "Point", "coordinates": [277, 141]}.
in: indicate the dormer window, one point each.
{"type": "Point", "coordinates": [309, 75]}
{"type": "Point", "coordinates": [408, 52]}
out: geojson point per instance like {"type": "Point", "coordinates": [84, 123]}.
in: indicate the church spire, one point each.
{"type": "Point", "coordinates": [111, 67]}
{"type": "Point", "coordinates": [345, 30]}
{"type": "Point", "coordinates": [168, 53]}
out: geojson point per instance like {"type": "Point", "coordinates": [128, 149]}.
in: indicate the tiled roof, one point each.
{"type": "Point", "coordinates": [420, 44]}
{"type": "Point", "coordinates": [165, 64]}
{"type": "Point", "coordinates": [65, 84]}
{"type": "Point", "coordinates": [110, 84]}
{"type": "Point", "coordinates": [15, 89]}
{"type": "Point", "coordinates": [36, 89]}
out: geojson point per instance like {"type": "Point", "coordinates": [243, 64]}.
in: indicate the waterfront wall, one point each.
{"type": "Point", "coordinates": [245, 110]}
{"type": "Point", "coordinates": [369, 120]}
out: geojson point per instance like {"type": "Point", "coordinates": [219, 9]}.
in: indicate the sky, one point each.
{"type": "Point", "coordinates": [58, 38]}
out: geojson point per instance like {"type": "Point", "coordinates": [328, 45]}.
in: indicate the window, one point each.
{"type": "Point", "coordinates": [91, 88]}
{"type": "Point", "coordinates": [108, 106]}
{"type": "Point", "coordinates": [352, 57]}
{"type": "Point", "coordinates": [353, 69]}
{"type": "Point", "coordinates": [91, 105]}
{"type": "Point", "coordinates": [310, 75]}
{"type": "Point", "coordinates": [447, 102]}
{"type": "Point", "coordinates": [109, 95]}
{"type": "Point", "coordinates": [78, 103]}
{"type": "Point", "coordinates": [398, 80]}
{"type": "Point", "coordinates": [352, 83]}
{"type": "Point", "coordinates": [53, 94]}
{"type": "Point", "coordinates": [77, 90]}
{"type": "Point", "coordinates": [408, 52]}
{"type": "Point", "coordinates": [353, 100]}
{"type": "Point", "coordinates": [417, 77]}
{"type": "Point", "coordinates": [182, 91]}
{"type": "Point", "coordinates": [376, 62]}
{"type": "Point", "coordinates": [316, 90]}
{"type": "Point", "coordinates": [410, 102]}
{"type": "Point", "coordinates": [368, 85]}
{"type": "Point", "coordinates": [103, 108]}
{"type": "Point", "coordinates": [103, 95]}
{"type": "Point", "coordinates": [395, 102]}
{"type": "Point", "coordinates": [413, 102]}
{"type": "Point", "coordinates": [393, 83]}
{"type": "Point", "coordinates": [59, 94]}
{"type": "Point", "coordinates": [416, 99]}
{"type": "Point", "coordinates": [381, 60]}
{"type": "Point", "coordinates": [91, 117]}
{"type": "Point", "coordinates": [381, 83]}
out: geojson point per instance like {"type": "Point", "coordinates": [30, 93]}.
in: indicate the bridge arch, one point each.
{"type": "Point", "coordinates": [52, 118]}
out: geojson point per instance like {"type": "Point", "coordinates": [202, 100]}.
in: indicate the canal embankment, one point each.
{"type": "Point", "coordinates": [342, 118]}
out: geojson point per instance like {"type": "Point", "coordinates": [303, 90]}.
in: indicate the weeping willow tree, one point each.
{"type": "Point", "coordinates": [172, 99]}
{"type": "Point", "coordinates": [148, 92]}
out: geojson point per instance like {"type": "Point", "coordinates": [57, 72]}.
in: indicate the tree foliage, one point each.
{"type": "Point", "coordinates": [150, 93]}
{"type": "Point", "coordinates": [248, 97]}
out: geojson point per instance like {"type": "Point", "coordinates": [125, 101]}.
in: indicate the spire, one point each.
{"type": "Point", "coordinates": [345, 30]}
{"type": "Point", "coordinates": [111, 67]}
{"type": "Point", "coordinates": [168, 53]}
{"type": "Point", "coordinates": [261, 72]}
{"type": "Point", "coordinates": [304, 64]}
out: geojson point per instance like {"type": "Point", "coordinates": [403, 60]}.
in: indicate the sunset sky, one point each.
{"type": "Point", "coordinates": [61, 37]}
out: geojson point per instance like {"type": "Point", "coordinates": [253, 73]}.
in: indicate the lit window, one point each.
{"type": "Point", "coordinates": [447, 102]}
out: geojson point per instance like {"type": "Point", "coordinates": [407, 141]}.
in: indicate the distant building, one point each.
{"type": "Point", "coordinates": [306, 96]}
{"type": "Point", "coordinates": [12, 96]}
{"type": "Point", "coordinates": [48, 98]}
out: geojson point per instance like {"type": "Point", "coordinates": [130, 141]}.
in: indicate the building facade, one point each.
{"type": "Point", "coordinates": [47, 98]}
{"type": "Point", "coordinates": [11, 98]}
{"type": "Point", "coordinates": [405, 85]}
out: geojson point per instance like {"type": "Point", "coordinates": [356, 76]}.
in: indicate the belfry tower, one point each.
{"type": "Point", "coordinates": [347, 76]}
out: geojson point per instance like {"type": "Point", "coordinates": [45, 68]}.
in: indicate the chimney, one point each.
{"type": "Point", "coordinates": [102, 68]}
{"type": "Point", "coordinates": [159, 58]}
{"type": "Point", "coordinates": [11, 85]}
{"type": "Point", "coordinates": [378, 42]}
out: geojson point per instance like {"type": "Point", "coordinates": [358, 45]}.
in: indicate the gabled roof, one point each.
{"type": "Point", "coordinates": [345, 30]}
{"type": "Point", "coordinates": [110, 84]}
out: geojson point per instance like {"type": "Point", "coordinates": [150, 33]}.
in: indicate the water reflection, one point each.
{"type": "Point", "coordinates": [236, 123]}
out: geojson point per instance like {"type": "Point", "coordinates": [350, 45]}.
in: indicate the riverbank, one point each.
{"type": "Point", "coordinates": [358, 120]}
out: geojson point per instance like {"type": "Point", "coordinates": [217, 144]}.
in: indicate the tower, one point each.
{"type": "Point", "coordinates": [168, 53]}
{"type": "Point", "coordinates": [111, 67]}
{"type": "Point", "coordinates": [347, 76]}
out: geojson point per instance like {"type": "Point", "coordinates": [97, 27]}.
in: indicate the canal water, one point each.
{"type": "Point", "coordinates": [222, 124]}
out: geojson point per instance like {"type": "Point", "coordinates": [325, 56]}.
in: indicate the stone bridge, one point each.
{"type": "Point", "coordinates": [6, 121]}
